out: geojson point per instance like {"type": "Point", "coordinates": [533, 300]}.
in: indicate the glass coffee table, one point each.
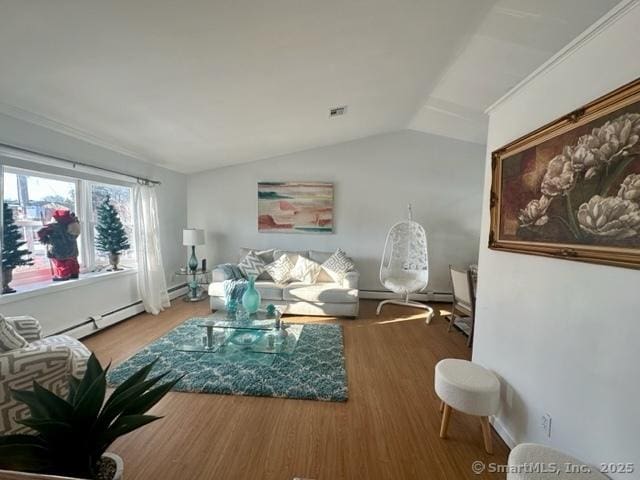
{"type": "Point", "coordinates": [231, 334]}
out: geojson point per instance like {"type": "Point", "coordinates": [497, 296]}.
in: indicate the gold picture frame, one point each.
{"type": "Point", "coordinates": [571, 189]}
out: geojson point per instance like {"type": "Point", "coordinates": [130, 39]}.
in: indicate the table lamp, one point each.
{"type": "Point", "coordinates": [190, 238]}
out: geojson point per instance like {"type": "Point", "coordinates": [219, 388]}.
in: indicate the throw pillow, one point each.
{"type": "Point", "coordinates": [337, 265]}
{"type": "Point", "coordinates": [265, 255]}
{"type": "Point", "coordinates": [306, 270]}
{"type": "Point", "coordinates": [280, 270]}
{"type": "Point", "coordinates": [9, 338]}
{"type": "Point", "coordinates": [251, 265]}
{"type": "Point", "coordinates": [293, 256]}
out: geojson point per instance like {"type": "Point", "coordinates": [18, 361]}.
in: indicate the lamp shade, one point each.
{"type": "Point", "coordinates": [192, 236]}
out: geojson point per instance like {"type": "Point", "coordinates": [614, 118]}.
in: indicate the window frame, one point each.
{"type": "Point", "coordinates": [83, 209]}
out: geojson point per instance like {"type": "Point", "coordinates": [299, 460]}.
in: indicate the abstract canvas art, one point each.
{"type": "Point", "coordinates": [571, 189]}
{"type": "Point", "coordinates": [295, 207]}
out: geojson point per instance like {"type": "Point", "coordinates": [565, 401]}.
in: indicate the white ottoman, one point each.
{"type": "Point", "coordinates": [560, 466]}
{"type": "Point", "coordinates": [468, 388]}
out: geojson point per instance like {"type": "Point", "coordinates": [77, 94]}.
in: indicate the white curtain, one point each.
{"type": "Point", "coordinates": [152, 285]}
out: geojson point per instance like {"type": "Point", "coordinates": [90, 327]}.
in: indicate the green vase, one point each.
{"type": "Point", "coordinates": [193, 261]}
{"type": "Point", "coordinates": [251, 298]}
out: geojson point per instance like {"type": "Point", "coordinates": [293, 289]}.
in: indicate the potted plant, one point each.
{"type": "Point", "coordinates": [111, 237]}
{"type": "Point", "coordinates": [14, 254]}
{"type": "Point", "coordinates": [73, 434]}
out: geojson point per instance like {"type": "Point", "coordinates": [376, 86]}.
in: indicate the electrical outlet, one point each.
{"type": "Point", "coordinates": [545, 423]}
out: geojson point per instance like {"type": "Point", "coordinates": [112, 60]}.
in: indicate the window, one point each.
{"type": "Point", "coordinates": [33, 199]}
{"type": "Point", "coordinates": [34, 196]}
{"type": "Point", "coordinates": [121, 198]}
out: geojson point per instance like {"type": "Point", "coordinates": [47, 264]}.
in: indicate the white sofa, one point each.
{"type": "Point", "coordinates": [323, 298]}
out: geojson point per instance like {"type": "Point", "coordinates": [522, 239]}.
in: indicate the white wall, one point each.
{"type": "Point", "coordinates": [374, 179]}
{"type": "Point", "coordinates": [61, 309]}
{"type": "Point", "coordinates": [564, 335]}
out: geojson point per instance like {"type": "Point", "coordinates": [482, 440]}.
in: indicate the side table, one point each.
{"type": "Point", "coordinates": [196, 280]}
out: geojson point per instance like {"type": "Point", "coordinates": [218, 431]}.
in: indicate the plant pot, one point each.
{"type": "Point", "coordinates": [7, 276]}
{"type": "Point", "coordinates": [109, 470]}
{"type": "Point", "coordinates": [114, 260]}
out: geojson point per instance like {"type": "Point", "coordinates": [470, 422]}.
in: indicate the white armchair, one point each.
{"type": "Point", "coordinates": [49, 361]}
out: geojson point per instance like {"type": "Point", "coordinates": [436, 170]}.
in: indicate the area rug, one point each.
{"type": "Point", "coordinates": [315, 370]}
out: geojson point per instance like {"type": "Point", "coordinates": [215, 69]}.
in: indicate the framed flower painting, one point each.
{"type": "Point", "coordinates": [571, 189]}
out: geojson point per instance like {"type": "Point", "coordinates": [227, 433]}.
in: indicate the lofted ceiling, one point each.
{"type": "Point", "coordinates": [198, 84]}
{"type": "Point", "coordinates": [514, 38]}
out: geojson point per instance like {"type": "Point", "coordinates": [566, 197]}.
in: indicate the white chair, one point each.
{"type": "Point", "coordinates": [405, 264]}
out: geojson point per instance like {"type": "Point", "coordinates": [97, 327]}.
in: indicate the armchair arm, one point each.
{"type": "Point", "coordinates": [49, 365]}
{"type": "Point", "coordinates": [351, 279]}
{"type": "Point", "coordinates": [26, 326]}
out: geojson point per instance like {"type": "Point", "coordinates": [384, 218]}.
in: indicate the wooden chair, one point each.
{"type": "Point", "coordinates": [463, 298]}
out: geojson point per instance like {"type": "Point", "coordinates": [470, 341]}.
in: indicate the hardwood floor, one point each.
{"type": "Point", "coordinates": [388, 429]}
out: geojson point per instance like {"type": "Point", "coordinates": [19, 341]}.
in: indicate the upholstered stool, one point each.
{"type": "Point", "coordinates": [468, 388]}
{"type": "Point", "coordinates": [566, 466]}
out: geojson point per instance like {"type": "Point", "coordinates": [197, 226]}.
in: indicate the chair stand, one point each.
{"type": "Point", "coordinates": [407, 303]}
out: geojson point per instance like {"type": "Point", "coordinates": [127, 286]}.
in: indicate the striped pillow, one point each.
{"type": "Point", "coordinates": [252, 265]}
{"type": "Point", "coordinates": [9, 338]}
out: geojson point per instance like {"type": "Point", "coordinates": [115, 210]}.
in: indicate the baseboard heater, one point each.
{"type": "Point", "coordinates": [96, 323]}
{"type": "Point", "coordinates": [444, 297]}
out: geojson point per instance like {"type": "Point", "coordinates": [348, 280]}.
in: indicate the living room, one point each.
{"type": "Point", "coordinates": [242, 185]}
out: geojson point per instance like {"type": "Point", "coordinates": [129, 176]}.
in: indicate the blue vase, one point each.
{"type": "Point", "coordinates": [251, 298]}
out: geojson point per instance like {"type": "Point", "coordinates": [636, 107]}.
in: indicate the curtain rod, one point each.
{"type": "Point", "coordinates": [140, 180]}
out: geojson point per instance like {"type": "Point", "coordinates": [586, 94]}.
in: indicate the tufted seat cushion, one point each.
{"type": "Point", "coordinates": [404, 281]}
{"type": "Point", "coordinates": [467, 387]}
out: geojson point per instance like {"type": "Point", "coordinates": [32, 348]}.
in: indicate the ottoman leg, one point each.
{"type": "Point", "coordinates": [486, 433]}
{"type": "Point", "coordinates": [446, 414]}
{"type": "Point", "coordinates": [441, 406]}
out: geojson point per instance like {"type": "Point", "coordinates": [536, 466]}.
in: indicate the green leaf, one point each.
{"type": "Point", "coordinates": [56, 407]}
{"type": "Point", "coordinates": [94, 369]}
{"type": "Point", "coordinates": [134, 379]}
{"type": "Point", "coordinates": [89, 404]}
{"type": "Point", "coordinates": [31, 400]}
{"type": "Point", "coordinates": [51, 430]}
{"type": "Point", "coordinates": [150, 398]}
{"type": "Point", "coordinates": [21, 438]}
{"type": "Point", "coordinates": [124, 425]}
{"type": "Point", "coordinates": [74, 384]}
{"type": "Point", "coordinates": [119, 400]}
{"type": "Point", "coordinates": [24, 453]}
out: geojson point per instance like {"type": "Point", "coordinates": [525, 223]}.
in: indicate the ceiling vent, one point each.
{"type": "Point", "coordinates": [337, 111]}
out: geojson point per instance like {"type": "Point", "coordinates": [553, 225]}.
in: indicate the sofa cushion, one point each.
{"type": "Point", "coordinates": [318, 256]}
{"type": "Point", "coordinates": [321, 257]}
{"type": "Point", "coordinates": [306, 270]}
{"type": "Point", "coordinates": [337, 265]}
{"type": "Point", "coordinates": [319, 292]}
{"type": "Point", "coordinates": [267, 288]}
{"type": "Point", "coordinates": [265, 255]}
{"type": "Point", "coordinates": [292, 254]}
{"type": "Point", "coordinates": [280, 270]}
{"type": "Point", "coordinates": [10, 339]}
{"type": "Point", "coordinates": [252, 265]}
